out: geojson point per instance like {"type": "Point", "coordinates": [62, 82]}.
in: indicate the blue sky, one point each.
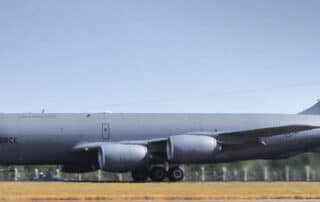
{"type": "Point", "coordinates": [159, 56]}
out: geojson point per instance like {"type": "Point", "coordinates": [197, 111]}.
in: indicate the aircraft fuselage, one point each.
{"type": "Point", "coordinates": [49, 138]}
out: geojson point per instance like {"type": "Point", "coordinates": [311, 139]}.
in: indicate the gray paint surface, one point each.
{"type": "Point", "coordinates": [49, 138]}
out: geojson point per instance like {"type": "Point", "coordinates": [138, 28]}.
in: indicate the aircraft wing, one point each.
{"type": "Point", "coordinates": [223, 137]}
{"type": "Point", "coordinates": [239, 137]}
{"type": "Point", "coordinates": [189, 142]}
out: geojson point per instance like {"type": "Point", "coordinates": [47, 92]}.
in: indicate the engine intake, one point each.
{"type": "Point", "coordinates": [191, 148]}
{"type": "Point", "coordinates": [117, 157]}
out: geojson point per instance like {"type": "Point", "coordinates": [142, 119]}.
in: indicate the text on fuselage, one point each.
{"type": "Point", "coordinates": [8, 140]}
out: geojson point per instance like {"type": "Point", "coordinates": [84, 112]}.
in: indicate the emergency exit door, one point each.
{"type": "Point", "coordinates": [105, 131]}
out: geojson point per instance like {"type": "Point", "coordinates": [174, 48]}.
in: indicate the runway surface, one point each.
{"type": "Point", "coordinates": [26, 191]}
{"type": "Point", "coordinates": [283, 200]}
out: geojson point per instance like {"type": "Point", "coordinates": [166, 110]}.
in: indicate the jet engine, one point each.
{"type": "Point", "coordinates": [191, 148]}
{"type": "Point", "coordinates": [116, 157]}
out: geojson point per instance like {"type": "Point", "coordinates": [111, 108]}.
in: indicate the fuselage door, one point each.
{"type": "Point", "coordinates": [105, 131]}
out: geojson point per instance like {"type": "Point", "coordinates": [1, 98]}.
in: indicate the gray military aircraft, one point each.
{"type": "Point", "coordinates": [148, 144]}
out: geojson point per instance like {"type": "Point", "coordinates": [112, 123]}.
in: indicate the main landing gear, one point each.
{"type": "Point", "coordinates": [158, 174]}
{"type": "Point", "coordinates": [175, 174]}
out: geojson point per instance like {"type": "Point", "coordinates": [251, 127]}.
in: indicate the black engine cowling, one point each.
{"type": "Point", "coordinates": [191, 148]}
{"type": "Point", "coordinates": [117, 157]}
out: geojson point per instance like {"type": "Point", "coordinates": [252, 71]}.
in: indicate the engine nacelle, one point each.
{"type": "Point", "coordinates": [191, 148]}
{"type": "Point", "coordinates": [117, 157]}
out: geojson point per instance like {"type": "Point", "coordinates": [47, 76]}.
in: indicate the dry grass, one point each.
{"type": "Point", "coordinates": [157, 191]}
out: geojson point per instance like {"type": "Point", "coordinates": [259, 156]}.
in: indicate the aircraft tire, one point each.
{"type": "Point", "coordinates": [140, 175]}
{"type": "Point", "coordinates": [175, 174]}
{"type": "Point", "coordinates": [158, 174]}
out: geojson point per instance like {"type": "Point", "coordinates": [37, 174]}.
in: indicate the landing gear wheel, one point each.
{"type": "Point", "coordinates": [140, 175]}
{"type": "Point", "coordinates": [175, 174]}
{"type": "Point", "coordinates": [158, 174]}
